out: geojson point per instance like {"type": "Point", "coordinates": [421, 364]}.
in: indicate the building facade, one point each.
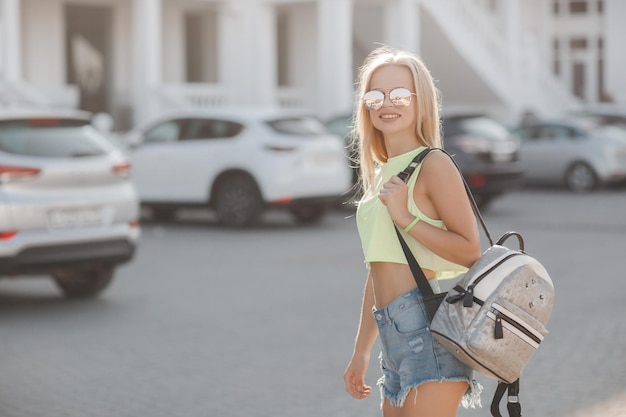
{"type": "Point", "coordinates": [587, 48]}
{"type": "Point", "coordinates": [137, 58]}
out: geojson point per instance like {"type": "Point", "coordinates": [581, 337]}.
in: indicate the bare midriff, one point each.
{"type": "Point", "coordinates": [390, 280]}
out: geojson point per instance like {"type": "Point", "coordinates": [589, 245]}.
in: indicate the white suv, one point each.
{"type": "Point", "coordinates": [67, 205]}
{"type": "Point", "coordinates": [238, 162]}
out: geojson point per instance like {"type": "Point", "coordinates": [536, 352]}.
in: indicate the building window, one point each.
{"type": "Point", "coordinates": [578, 6]}
{"type": "Point", "coordinates": [282, 35]}
{"type": "Point", "coordinates": [602, 96]}
{"type": "Point", "coordinates": [578, 43]}
{"type": "Point", "coordinates": [201, 47]}
{"type": "Point", "coordinates": [578, 79]}
{"type": "Point", "coordinates": [556, 68]}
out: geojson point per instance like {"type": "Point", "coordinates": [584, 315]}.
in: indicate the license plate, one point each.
{"type": "Point", "coordinates": [502, 157]}
{"type": "Point", "coordinates": [75, 218]}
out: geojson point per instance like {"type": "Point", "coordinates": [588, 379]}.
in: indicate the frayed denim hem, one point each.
{"type": "Point", "coordinates": [471, 398]}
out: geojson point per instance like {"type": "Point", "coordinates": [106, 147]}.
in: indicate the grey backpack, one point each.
{"type": "Point", "coordinates": [494, 318]}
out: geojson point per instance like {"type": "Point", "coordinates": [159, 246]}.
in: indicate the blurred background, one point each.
{"type": "Point", "coordinates": [152, 141]}
{"type": "Point", "coordinates": [136, 58]}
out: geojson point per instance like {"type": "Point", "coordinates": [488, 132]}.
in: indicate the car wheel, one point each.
{"type": "Point", "coordinates": [308, 214]}
{"type": "Point", "coordinates": [84, 282]}
{"type": "Point", "coordinates": [580, 177]}
{"type": "Point", "coordinates": [238, 201]}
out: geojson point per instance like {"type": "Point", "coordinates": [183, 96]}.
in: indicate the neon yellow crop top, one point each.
{"type": "Point", "coordinates": [376, 229]}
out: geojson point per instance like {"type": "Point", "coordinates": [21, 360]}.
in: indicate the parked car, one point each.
{"type": "Point", "coordinates": [604, 115]}
{"type": "Point", "coordinates": [580, 154]}
{"type": "Point", "coordinates": [238, 162]}
{"type": "Point", "coordinates": [341, 126]}
{"type": "Point", "coordinates": [68, 208]}
{"type": "Point", "coordinates": [487, 154]}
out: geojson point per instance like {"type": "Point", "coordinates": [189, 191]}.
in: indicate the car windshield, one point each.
{"type": "Point", "coordinates": [304, 126]}
{"type": "Point", "coordinates": [485, 127]}
{"type": "Point", "coordinates": [52, 138]}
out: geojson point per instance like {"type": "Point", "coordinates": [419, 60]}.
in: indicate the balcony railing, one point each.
{"type": "Point", "coordinates": [205, 95]}
{"type": "Point", "coordinates": [197, 95]}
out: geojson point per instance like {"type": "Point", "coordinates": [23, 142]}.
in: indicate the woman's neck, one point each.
{"type": "Point", "coordinates": [400, 144]}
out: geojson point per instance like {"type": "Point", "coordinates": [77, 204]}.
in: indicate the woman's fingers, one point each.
{"type": "Point", "coordinates": [392, 188]}
{"type": "Point", "coordinates": [356, 388]}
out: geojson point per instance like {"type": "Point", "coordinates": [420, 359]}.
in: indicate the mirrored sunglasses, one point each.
{"type": "Point", "coordinates": [400, 97]}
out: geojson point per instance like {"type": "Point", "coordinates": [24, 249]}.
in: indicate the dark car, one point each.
{"type": "Point", "coordinates": [485, 151]}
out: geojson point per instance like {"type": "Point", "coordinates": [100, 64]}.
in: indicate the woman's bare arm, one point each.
{"type": "Point", "coordinates": [440, 193]}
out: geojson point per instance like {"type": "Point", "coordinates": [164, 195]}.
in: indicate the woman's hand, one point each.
{"type": "Point", "coordinates": [394, 195]}
{"type": "Point", "coordinates": [354, 377]}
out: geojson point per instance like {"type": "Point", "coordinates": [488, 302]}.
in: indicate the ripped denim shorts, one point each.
{"type": "Point", "coordinates": [410, 356]}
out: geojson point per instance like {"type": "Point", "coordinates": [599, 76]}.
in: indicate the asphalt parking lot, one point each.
{"type": "Point", "coordinates": [208, 321]}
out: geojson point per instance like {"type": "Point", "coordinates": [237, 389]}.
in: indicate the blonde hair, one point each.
{"type": "Point", "coordinates": [369, 140]}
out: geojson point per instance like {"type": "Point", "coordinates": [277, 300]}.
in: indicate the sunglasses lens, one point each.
{"type": "Point", "coordinates": [400, 97]}
{"type": "Point", "coordinates": [373, 100]}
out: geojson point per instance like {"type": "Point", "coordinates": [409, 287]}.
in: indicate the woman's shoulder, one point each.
{"type": "Point", "coordinates": [439, 167]}
{"type": "Point", "coordinates": [437, 158]}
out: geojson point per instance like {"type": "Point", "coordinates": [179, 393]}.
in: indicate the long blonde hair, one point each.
{"type": "Point", "coordinates": [369, 140]}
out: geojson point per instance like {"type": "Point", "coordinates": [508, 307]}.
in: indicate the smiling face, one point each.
{"type": "Point", "coordinates": [389, 119]}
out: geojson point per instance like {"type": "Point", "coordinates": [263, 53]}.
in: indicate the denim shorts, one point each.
{"type": "Point", "coordinates": [410, 356]}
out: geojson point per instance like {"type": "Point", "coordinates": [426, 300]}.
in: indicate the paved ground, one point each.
{"type": "Point", "coordinates": [579, 370]}
{"type": "Point", "coordinates": [211, 322]}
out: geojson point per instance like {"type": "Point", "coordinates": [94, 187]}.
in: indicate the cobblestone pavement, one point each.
{"type": "Point", "coordinates": [209, 322]}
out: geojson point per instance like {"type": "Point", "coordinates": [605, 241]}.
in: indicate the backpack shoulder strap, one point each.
{"type": "Point", "coordinates": [513, 406]}
{"type": "Point", "coordinates": [408, 171]}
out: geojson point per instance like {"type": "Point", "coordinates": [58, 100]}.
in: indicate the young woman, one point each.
{"type": "Point", "coordinates": [397, 117]}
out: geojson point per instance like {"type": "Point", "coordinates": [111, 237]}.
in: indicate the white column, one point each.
{"type": "Point", "coordinates": [263, 50]}
{"type": "Point", "coordinates": [10, 64]}
{"type": "Point", "coordinates": [147, 57]}
{"type": "Point", "coordinates": [335, 56]}
{"type": "Point", "coordinates": [512, 15]}
{"type": "Point", "coordinates": [402, 25]}
{"type": "Point", "coordinates": [247, 52]}
{"type": "Point", "coordinates": [229, 37]}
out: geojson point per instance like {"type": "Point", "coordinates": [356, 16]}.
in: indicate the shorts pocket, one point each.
{"type": "Point", "coordinates": [410, 320]}
{"type": "Point", "coordinates": [412, 326]}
